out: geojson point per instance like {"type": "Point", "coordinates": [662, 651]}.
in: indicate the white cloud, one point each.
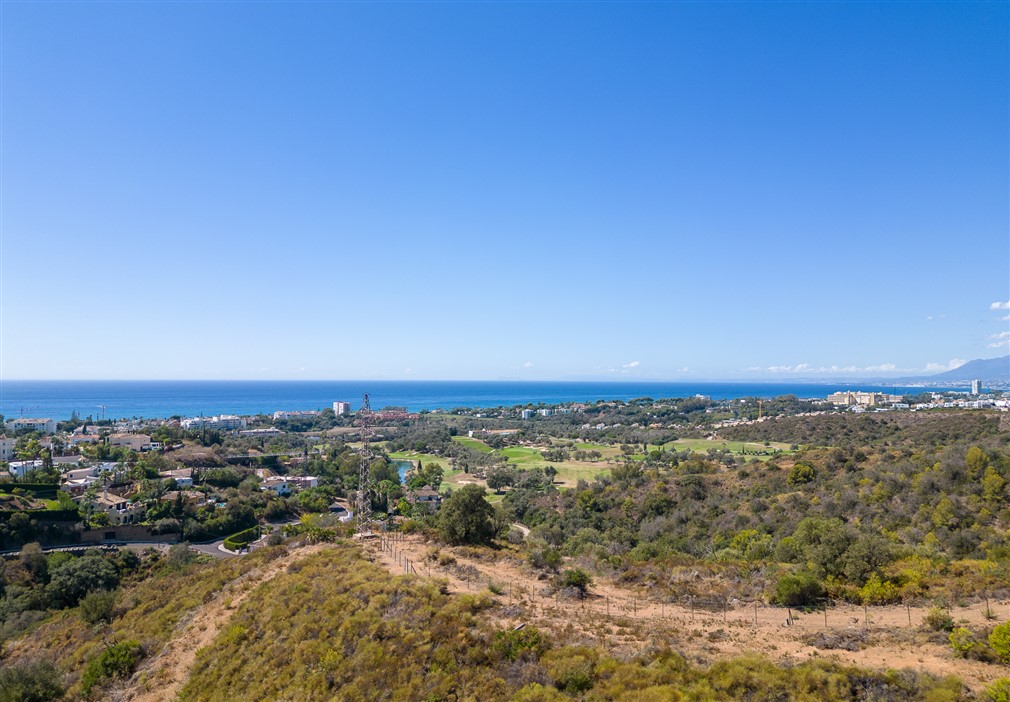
{"type": "Point", "coordinates": [633, 364]}
{"type": "Point", "coordinates": [528, 364]}
{"type": "Point", "coordinates": [940, 367]}
{"type": "Point", "coordinates": [882, 368]}
{"type": "Point", "coordinates": [1000, 305]}
{"type": "Point", "coordinates": [999, 340]}
{"type": "Point", "coordinates": [1005, 319]}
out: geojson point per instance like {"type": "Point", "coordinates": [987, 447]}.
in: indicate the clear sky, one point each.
{"type": "Point", "coordinates": [502, 190]}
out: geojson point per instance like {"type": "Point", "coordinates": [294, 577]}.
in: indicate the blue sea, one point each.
{"type": "Point", "coordinates": [157, 399]}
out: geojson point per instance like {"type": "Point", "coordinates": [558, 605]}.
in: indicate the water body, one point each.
{"type": "Point", "coordinates": [402, 467]}
{"type": "Point", "coordinates": [159, 399]}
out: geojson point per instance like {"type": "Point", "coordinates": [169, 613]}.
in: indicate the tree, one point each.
{"type": "Point", "coordinates": [976, 462]}
{"type": "Point", "coordinates": [800, 474]}
{"type": "Point", "coordinates": [72, 580]}
{"type": "Point", "coordinates": [499, 477]}
{"type": "Point", "coordinates": [466, 517]}
{"type": "Point", "coordinates": [993, 485]}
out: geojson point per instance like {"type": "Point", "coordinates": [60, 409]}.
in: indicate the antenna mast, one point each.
{"type": "Point", "coordinates": [364, 501]}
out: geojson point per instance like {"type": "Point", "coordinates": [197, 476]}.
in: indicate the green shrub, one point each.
{"type": "Point", "coordinates": [242, 539]}
{"type": "Point", "coordinates": [879, 592]}
{"type": "Point", "coordinates": [98, 606]}
{"type": "Point", "coordinates": [71, 581]}
{"type": "Point", "coordinates": [511, 644]}
{"type": "Point", "coordinates": [576, 578]}
{"type": "Point", "coordinates": [801, 474]}
{"type": "Point", "coordinates": [999, 641]}
{"type": "Point", "coordinates": [30, 682]}
{"type": "Point", "coordinates": [963, 642]}
{"type": "Point", "coordinates": [937, 619]}
{"type": "Point", "coordinates": [999, 690]}
{"type": "Point", "coordinates": [800, 590]}
{"type": "Point", "coordinates": [573, 668]}
{"type": "Point", "coordinates": [117, 661]}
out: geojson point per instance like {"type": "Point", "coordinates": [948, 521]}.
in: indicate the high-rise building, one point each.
{"type": "Point", "coordinates": [340, 408]}
{"type": "Point", "coordinates": [976, 387]}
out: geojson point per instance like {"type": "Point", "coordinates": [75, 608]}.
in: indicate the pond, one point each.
{"type": "Point", "coordinates": [402, 466]}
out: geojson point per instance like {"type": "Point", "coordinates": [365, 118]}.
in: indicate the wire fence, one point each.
{"type": "Point", "coordinates": [536, 595]}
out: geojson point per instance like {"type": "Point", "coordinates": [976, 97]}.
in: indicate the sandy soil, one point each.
{"type": "Point", "coordinates": [888, 637]}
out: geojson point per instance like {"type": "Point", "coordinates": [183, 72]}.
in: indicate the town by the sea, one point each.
{"type": "Point", "coordinates": [112, 399]}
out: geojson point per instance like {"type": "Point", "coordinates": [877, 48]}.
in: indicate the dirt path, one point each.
{"type": "Point", "coordinates": [165, 674]}
{"type": "Point", "coordinates": [887, 637]}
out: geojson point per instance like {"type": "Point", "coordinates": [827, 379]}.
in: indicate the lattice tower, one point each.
{"type": "Point", "coordinates": [364, 499]}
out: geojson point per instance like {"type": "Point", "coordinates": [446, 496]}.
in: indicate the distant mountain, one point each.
{"type": "Point", "coordinates": [979, 369]}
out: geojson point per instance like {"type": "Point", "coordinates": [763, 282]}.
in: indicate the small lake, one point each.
{"type": "Point", "coordinates": [402, 466]}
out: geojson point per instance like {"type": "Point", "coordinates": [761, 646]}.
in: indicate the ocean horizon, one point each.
{"type": "Point", "coordinates": [157, 399]}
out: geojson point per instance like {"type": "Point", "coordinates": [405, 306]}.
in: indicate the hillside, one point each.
{"type": "Point", "coordinates": [325, 622]}
{"type": "Point", "coordinates": [990, 369]}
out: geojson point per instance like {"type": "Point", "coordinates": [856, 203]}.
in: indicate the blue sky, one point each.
{"type": "Point", "coordinates": [502, 190]}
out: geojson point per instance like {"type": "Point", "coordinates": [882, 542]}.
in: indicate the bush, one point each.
{"type": "Point", "coordinates": [576, 578]}
{"type": "Point", "coordinates": [801, 474]}
{"type": "Point", "coordinates": [72, 580]}
{"type": "Point", "coordinates": [238, 541]}
{"type": "Point", "coordinates": [117, 661]}
{"type": "Point", "coordinates": [98, 606]}
{"type": "Point", "coordinates": [800, 590]}
{"type": "Point", "coordinates": [937, 619]}
{"type": "Point", "coordinates": [879, 592]}
{"type": "Point", "coordinates": [999, 690]}
{"type": "Point", "coordinates": [573, 668]}
{"type": "Point", "coordinates": [546, 558]}
{"type": "Point", "coordinates": [512, 643]}
{"type": "Point", "coordinates": [30, 682]}
{"type": "Point", "coordinates": [999, 641]}
{"type": "Point", "coordinates": [963, 642]}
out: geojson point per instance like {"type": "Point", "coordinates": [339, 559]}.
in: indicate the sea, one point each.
{"type": "Point", "coordinates": [155, 399]}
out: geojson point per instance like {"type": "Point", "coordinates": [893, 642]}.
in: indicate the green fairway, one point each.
{"type": "Point", "coordinates": [475, 444]}
{"type": "Point", "coordinates": [523, 456]}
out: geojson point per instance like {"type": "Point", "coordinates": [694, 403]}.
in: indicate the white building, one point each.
{"type": "Point", "coordinates": [6, 448]}
{"type": "Point", "coordinates": [976, 387]}
{"type": "Point", "coordinates": [263, 431]}
{"type": "Point", "coordinates": [296, 414]}
{"type": "Point", "coordinates": [224, 421]}
{"type": "Point", "coordinates": [340, 408]}
{"type": "Point", "coordinates": [278, 485]}
{"type": "Point", "coordinates": [545, 412]}
{"type": "Point", "coordinates": [528, 414]}
{"type": "Point", "coordinates": [43, 426]}
{"type": "Point", "coordinates": [21, 468]}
